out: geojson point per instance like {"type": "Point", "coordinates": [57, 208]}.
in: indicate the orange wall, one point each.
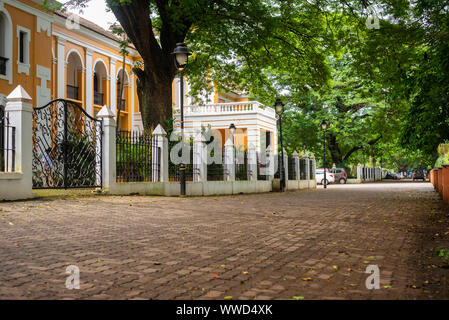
{"type": "Point", "coordinates": [39, 52]}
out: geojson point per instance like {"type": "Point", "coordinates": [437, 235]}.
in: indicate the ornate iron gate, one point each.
{"type": "Point", "coordinates": [67, 147]}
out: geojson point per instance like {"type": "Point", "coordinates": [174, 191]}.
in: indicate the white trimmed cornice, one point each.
{"type": "Point", "coordinates": [89, 46]}
{"type": "Point", "coordinates": [28, 9]}
{"type": "Point", "coordinates": [113, 44]}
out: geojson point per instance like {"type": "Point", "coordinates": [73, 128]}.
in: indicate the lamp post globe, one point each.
{"type": "Point", "coordinates": [181, 59]}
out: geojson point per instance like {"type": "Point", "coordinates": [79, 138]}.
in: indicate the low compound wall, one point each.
{"type": "Point", "coordinates": [209, 188]}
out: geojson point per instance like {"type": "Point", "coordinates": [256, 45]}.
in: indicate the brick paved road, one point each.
{"type": "Point", "coordinates": [313, 243]}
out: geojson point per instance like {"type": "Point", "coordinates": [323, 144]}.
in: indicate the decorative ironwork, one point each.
{"type": "Point", "coordinates": [67, 147]}
{"type": "Point", "coordinates": [7, 144]}
{"type": "Point", "coordinates": [72, 92]}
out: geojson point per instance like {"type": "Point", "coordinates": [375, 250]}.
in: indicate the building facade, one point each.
{"type": "Point", "coordinates": [55, 55]}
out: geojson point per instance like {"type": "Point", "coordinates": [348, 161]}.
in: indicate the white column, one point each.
{"type": "Point", "coordinates": [359, 172]}
{"type": "Point", "coordinates": [131, 109]}
{"type": "Point", "coordinates": [20, 113]}
{"type": "Point", "coordinates": [200, 156]}
{"type": "Point", "coordinates": [109, 147]}
{"type": "Point", "coordinates": [61, 68]}
{"type": "Point", "coordinates": [306, 158]}
{"type": "Point", "coordinates": [229, 166]}
{"type": "Point", "coordinates": [252, 162]}
{"type": "Point", "coordinates": [89, 80]}
{"type": "Point", "coordinates": [296, 159]}
{"type": "Point", "coordinates": [160, 141]}
{"type": "Point", "coordinates": [285, 162]}
{"type": "Point", "coordinates": [112, 84]}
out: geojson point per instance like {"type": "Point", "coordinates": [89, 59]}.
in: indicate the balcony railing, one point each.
{"type": "Point", "coordinates": [72, 92]}
{"type": "Point", "coordinates": [229, 108]}
{"type": "Point", "coordinates": [3, 65]}
{"type": "Point", "coordinates": [98, 98]}
{"type": "Point", "coordinates": [121, 104]}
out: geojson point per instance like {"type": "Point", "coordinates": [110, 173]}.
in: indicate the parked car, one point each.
{"type": "Point", "coordinates": [340, 175]}
{"type": "Point", "coordinates": [319, 176]}
{"type": "Point", "coordinates": [418, 175]}
{"type": "Point", "coordinates": [392, 175]}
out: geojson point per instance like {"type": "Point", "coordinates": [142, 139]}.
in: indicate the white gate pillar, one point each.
{"type": "Point", "coordinates": [109, 147]}
{"type": "Point", "coordinates": [229, 165]}
{"type": "Point", "coordinates": [296, 167]}
{"type": "Point", "coordinates": [200, 158]}
{"type": "Point", "coordinates": [159, 146]}
{"type": "Point", "coordinates": [20, 113]}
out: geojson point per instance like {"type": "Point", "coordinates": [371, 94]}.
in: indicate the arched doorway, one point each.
{"type": "Point", "coordinates": [123, 99]}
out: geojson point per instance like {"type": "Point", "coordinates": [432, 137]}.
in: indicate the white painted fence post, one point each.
{"type": "Point", "coordinates": [160, 142]}
{"type": "Point", "coordinates": [252, 162]}
{"type": "Point", "coordinates": [229, 165]}
{"type": "Point", "coordinates": [285, 162]}
{"type": "Point", "coordinates": [109, 147]}
{"type": "Point", "coordinates": [296, 159]}
{"type": "Point", "coordinates": [271, 163]}
{"type": "Point", "coordinates": [20, 113]}
{"type": "Point", "coordinates": [200, 157]}
{"type": "Point", "coordinates": [306, 158]}
{"type": "Point", "coordinates": [359, 171]}
{"type": "Point", "coordinates": [312, 174]}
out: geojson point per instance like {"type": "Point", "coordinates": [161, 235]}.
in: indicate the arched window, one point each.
{"type": "Point", "coordinates": [5, 45]}
{"type": "Point", "coordinates": [100, 83]}
{"type": "Point", "coordinates": [74, 76]}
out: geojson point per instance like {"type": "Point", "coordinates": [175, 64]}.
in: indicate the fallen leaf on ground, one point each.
{"type": "Point", "coordinates": [214, 275]}
{"type": "Point", "coordinates": [228, 298]}
{"type": "Point", "coordinates": [298, 298]}
{"type": "Point", "coordinates": [307, 279]}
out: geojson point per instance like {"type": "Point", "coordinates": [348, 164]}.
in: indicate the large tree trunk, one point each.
{"type": "Point", "coordinates": [334, 149]}
{"type": "Point", "coordinates": [155, 98]}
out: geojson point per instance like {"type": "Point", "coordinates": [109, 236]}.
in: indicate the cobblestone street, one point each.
{"type": "Point", "coordinates": [314, 244]}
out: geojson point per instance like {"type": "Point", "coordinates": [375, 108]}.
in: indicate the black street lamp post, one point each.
{"type": "Point", "coordinates": [279, 106]}
{"type": "Point", "coordinates": [363, 151]}
{"type": "Point", "coordinates": [324, 127]}
{"type": "Point", "coordinates": [182, 54]}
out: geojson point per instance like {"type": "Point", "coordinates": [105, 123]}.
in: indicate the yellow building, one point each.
{"type": "Point", "coordinates": [54, 55]}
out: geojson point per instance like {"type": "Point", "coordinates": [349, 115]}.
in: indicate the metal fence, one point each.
{"type": "Point", "coordinates": [134, 157]}
{"type": "Point", "coordinates": [173, 169]}
{"type": "Point", "coordinates": [215, 171]}
{"type": "Point", "coordinates": [7, 144]}
{"type": "Point", "coordinates": [291, 169]}
{"type": "Point", "coordinates": [302, 169]}
{"type": "Point", "coordinates": [241, 165]}
{"type": "Point", "coordinates": [311, 171]}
